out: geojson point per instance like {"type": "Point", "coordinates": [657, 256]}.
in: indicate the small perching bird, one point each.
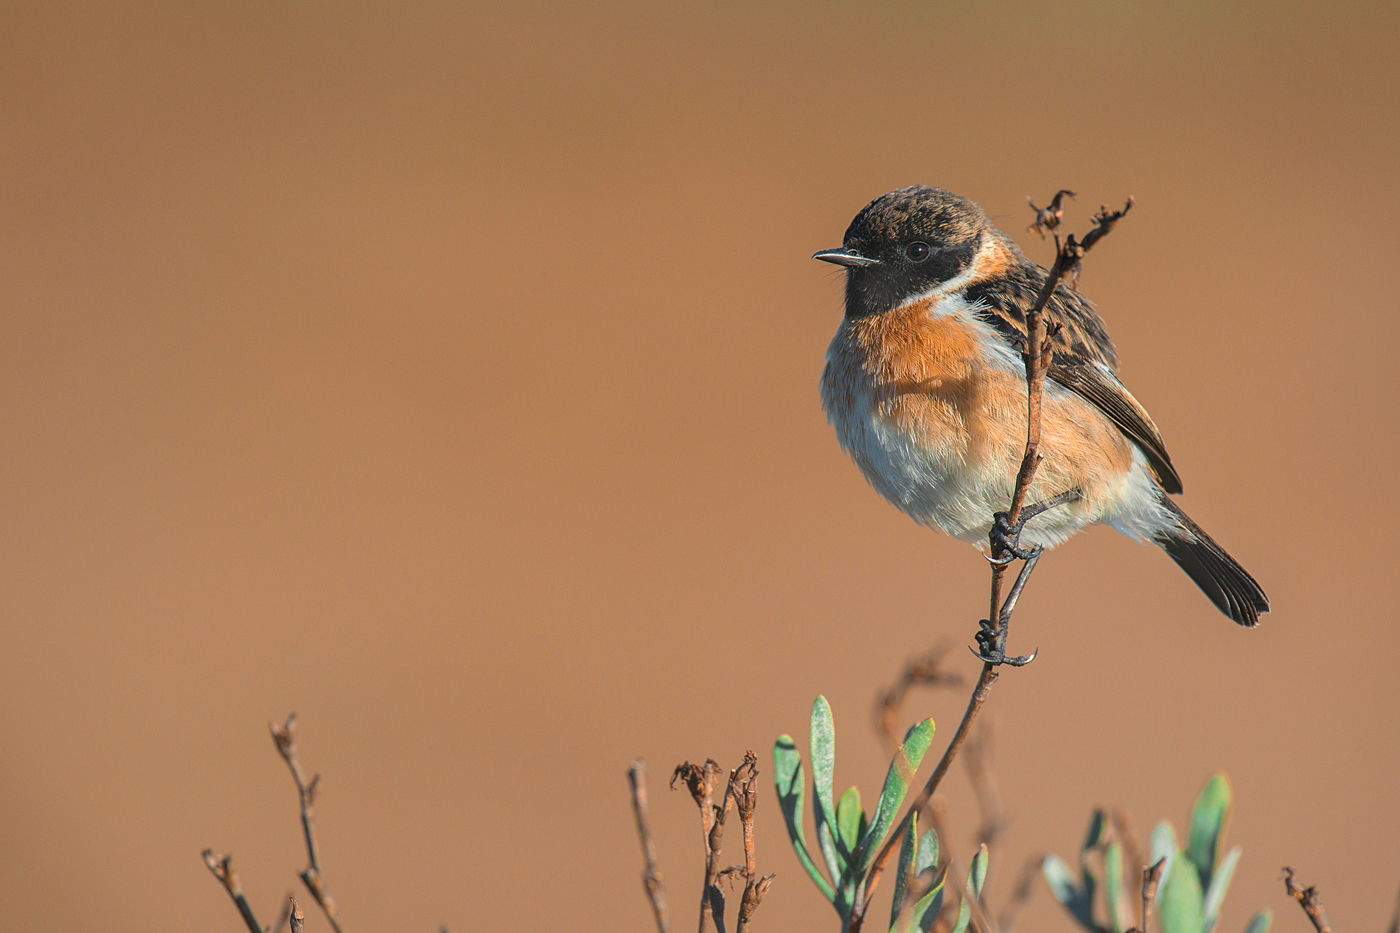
{"type": "Point", "coordinates": [926, 387]}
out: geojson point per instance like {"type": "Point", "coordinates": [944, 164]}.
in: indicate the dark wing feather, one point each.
{"type": "Point", "coordinates": [1100, 386]}
{"type": "Point", "coordinates": [1085, 358]}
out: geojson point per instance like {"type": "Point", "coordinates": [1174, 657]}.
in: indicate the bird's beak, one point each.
{"type": "Point", "coordinates": [845, 257]}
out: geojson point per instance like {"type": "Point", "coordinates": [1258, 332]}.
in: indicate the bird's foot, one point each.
{"type": "Point", "coordinates": [991, 645]}
{"type": "Point", "coordinates": [1006, 538]}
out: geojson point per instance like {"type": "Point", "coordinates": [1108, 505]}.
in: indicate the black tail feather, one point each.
{"type": "Point", "coordinates": [1228, 585]}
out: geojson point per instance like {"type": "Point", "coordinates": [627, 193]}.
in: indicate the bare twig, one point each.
{"type": "Point", "coordinates": [298, 919]}
{"type": "Point", "coordinates": [927, 670]}
{"type": "Point", "coordinates": [1048, 218]}
{"type": "Point", "coordinates": [1308, 898]}
{"type": "Point", "coordinates": [1068, 255]}
{"type": "Point", "coordinates": [222, 867]}
{"type": "Point", "coordinates": [743, 785]}
{"type": "Point", "coordinates": [651, 875]}
{"type": "Point", "coordinates": [700, 781]}
{"type": "Point", "coordinates": [1394, 926]}
{"type": "Point", "coordinates": [742, 794]}
{"type": "Point", "coordinates": [285, 916]}
{"type": "Point", "coordinates": [1151, 875]}
{"type": "Point", "coordinates": [284, 736]}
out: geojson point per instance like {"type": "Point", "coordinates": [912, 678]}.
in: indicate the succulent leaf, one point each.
{"type": "Point", "coordinates": [1208, 823]}
{"type": "Point", "coordinates": [897, 782]}
{"type": "Point", "coordinates": [788, 776]}
{"type": "Point", "coordinates": [905, 870]}
{"type": "Point", "coordinates": [928, 852]}
{"type": "Point", "coordinates": [1219, 884]}
{"type": "Point", "coordinates": [1062, 885]}
{"type": "Point", "coordinates": [823, 739]}
{"type": "Point", "coordinates": [1113, 886]}
{"type": "Point", "coordinates": [976, 876]}
{"type": "Point", "coordinates": [850, 823]}
{"type": "Point", "coordinates": [1162, 846]}
{"type": "Point", "coordinates": [926, 911]}
{"type": "Point", "coordinates": [1259, 923]}
{"type": "Point", "coordinates": [1182, 905]}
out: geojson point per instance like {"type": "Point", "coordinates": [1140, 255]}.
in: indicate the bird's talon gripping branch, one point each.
{"type": "Point", "coordinates": [1006, 537]}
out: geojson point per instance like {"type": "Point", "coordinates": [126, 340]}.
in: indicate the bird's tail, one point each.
{"type": "Point", "coordinates": [1228, 585]}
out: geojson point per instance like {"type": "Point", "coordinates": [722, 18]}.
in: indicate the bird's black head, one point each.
{"type": "Point", "coordinates": [905, 243]}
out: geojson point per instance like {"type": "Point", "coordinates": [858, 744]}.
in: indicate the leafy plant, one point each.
{"type": "Point", "coordinates": [1192, 883]}
{"type": "Point", "coordinates": [848, 838]}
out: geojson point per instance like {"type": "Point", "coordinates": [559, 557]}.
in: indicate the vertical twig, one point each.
{"type": "Point", "coordinates": [1308, 898]}
{"type": "Point", "coordinates": [700, 781]}
{"type": "Point", "coordinates": [284, 917]}
{"type": "Point", "coordinates": [297, 918]}
{"type": "Point", "coordinates": [1150, 877]}
{"type": "Point", "coordinates": [1068, 255]}
{"type": "Point", "coordinates": [651, 875]}
{"type": "Point", "coordinates": [743, 785]}
{"type": "Point", "coordinates": [222, 867]}
{"type": "Point", "coordinates": [284, 736]}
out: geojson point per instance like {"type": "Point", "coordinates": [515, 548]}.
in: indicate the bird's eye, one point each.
{"type": "Point", "coordinates": [917, 251]}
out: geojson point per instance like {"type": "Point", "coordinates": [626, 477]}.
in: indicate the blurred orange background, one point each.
{"type": "Point", "coordinates": [447, 373]}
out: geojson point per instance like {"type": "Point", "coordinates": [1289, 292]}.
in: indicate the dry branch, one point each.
{"type": "Point", "coordinates": [1151, 875]}
{"type": "Point", "coordinates": [222, 867]}
{"type": "Point", "coordinates": [741, 793]}
{"type": "Point", "coordinates": [284, 736]}
{"type": "Point", "coordinates": [1038, 352]}
{"type": "Point", "coordinates": [651, 875]}
{"type": "Point", "coordinates": [927, 670]}
{"type": "Point", "coordinates": [700, 781]}
{"type": "Point", "coordinates": [297, 918]}
{"type": "Point", "coordinates": [1308, 898]}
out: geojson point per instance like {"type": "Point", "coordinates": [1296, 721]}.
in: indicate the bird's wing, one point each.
{"type": "Point", "coordinates": [1084, 357]}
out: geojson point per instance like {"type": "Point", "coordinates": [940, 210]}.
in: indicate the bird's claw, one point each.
{"type": "Point", "coordinates": [1006, 539]}
{"type": "Point", "coordinates": [991, 646]}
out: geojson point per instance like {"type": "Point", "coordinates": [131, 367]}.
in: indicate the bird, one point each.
{"type": "Point", "coordinates": [925, 385]}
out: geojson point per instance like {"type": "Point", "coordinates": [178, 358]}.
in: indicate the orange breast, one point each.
{"type": "Point", "coordinates": [934, 380]}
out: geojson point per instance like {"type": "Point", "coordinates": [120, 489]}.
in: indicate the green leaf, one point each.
{"type": "Point", "coordinates": [1094, 835]}
{"type": "Point", "coordinates": [1093, 839]}
{"type": "Point", "coordinates": [1062, 885]}
{"type": "Point", "coordinates": [1208, 823]}
{"type": "Point", "coordinates": [1219, 884]}
{"type": "Point", "coordinates": [1162, 846]}
{"type": "Point", "coordinates": [926, 911]}
{"type": "Point", "coordinates": [904, 873]}
{"type": "Point", "coordinates": [1113, 886]}
{"type": "Point", "coordinates": [850, 823]}
{"type": "Point", "coordinates": [897, 782]}
{"type": "Point", "coordinates": [1182, 907]}
{"type": "Point", "coordinates": [1259, 923]}
{"type": "Point", "coordinates": [823, 738]}
{"type": "Point", "coordinates": [928, 852]}
{"type": "Point", "coordinates": [788, 776]}
{"type": "Point", "coordinates": [975, 878]}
